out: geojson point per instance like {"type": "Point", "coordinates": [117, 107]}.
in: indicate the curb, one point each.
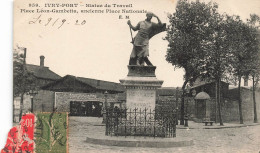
{"type": "Point", "coordinates": [152, 143]}
{"type": "Point", "coordinates": [220, 127]}
{"type": "Point", "coordinates": [225, 127]}
{"type": "Point", "coordinates": [99, 125]}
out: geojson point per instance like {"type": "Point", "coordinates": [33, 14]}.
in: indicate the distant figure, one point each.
{"type": "Point", "coordinates": [117, 115]}
{"type": "Point", "coordinates": [146, 30]}
{"type": "Point", "coordinates": [117, 110]}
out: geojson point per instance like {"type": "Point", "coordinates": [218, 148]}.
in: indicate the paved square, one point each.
{"type": "Point", "coordinates": [230, 140]}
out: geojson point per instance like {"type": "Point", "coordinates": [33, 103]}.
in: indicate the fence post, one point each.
{"type": "Point", "coordinates": [126, 121]}
{"type": "Point", "coordinates": [135, 122]}
{"type": "Point", "coordinates": [154, 124]}
{"type": "Point", "coordinates": [145, 122]}
{"type": "Point", "coordinates": [106, 122]}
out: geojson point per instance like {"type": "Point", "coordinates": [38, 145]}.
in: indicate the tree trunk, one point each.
{"type": "Point", "coordinates": [21, 107]}
{"type": "Point", "coordinates": [23, 80]}
{"type": "Point", "coordinates": [255, 111]}
{"type": "Point", "coordinates": [240, 101]}
{"type": "Point", "coordinates": [14, 111]}
{"type": "Point", "coordinates": [177, 105]}
{"type": "Point", "coordinates": [218, 100]}
{"type": "Point", "coordinates": [182, 102]}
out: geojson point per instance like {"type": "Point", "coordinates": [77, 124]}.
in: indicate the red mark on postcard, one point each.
{"type": "Point", "coordinates": [20, 138]}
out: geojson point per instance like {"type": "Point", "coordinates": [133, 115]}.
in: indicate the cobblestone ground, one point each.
{"type": "Point", "coordinates": [231, 140]}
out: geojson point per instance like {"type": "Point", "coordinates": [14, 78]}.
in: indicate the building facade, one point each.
{"type": "Point", "coordinates": [81, 96]}
{"type": "Point", "coordinates": [43, 76]}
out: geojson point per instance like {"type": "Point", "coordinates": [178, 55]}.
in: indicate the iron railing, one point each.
{"type": "Point", "coordinates": [138, 122]}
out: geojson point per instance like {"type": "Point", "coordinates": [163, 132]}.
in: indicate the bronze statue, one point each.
{"type": "Point", "coordinates": [146, 30]}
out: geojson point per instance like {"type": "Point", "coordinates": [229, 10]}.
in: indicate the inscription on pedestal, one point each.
{"type": "Point", "coordinates": [138, 98]}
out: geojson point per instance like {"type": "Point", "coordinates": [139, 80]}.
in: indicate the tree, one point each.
{"type": "Point", "coordinates": [239, 52]}
{"type": "Point", "coordinates": [187, 34]}
{"type": "Point", "coordinates": [217, 62]}
{"type": "Point", "coordinates": [237, 35]}
{"type": "Point", "coordinates": [255, 72]}
{"type": "Point", "coordinates": [23, 80]}
{"type": "Point", "coordinates": [254, 68]}
{"type": "Point", "coordinates": [244, 47]}
{"type": "Point", "coordinates": [199, 42]}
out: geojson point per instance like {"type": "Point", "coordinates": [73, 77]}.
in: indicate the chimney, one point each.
{"type": "Point", "coordinates": [246, 80]}
{"type": "Point", "coordinates": [42, 61]}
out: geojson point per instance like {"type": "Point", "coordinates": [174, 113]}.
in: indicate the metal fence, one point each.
{"type": "Point", "coordinates": [137, 122]}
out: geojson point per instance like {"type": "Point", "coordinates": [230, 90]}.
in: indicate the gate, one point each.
{"type": "Point", "coordinates": [85, 108]}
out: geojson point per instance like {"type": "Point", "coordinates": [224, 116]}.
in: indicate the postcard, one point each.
{"type": "Point", "coordinates": [135, 76]}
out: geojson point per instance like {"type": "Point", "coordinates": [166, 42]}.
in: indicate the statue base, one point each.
{"type": "Point", "coordinates": [141, 85]}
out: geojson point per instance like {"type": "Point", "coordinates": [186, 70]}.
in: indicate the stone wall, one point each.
{"type": "Point", "coordinates": [44, 101]}
{"type": "Point", "coordinates": [229, 106]}
{"type": "Point", "coordinates": [230, 110]}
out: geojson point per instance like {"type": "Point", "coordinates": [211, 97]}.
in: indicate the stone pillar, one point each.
{"type": "Point", "coordinates": [141, 85]}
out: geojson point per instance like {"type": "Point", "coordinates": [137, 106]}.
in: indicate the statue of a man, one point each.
{"type": "Point", "coordinates": [146, 30]}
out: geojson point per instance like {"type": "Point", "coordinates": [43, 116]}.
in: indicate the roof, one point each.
{"type": "Point", "coordinates": [235, 87]}
{"type": "Point", "coordinates": [233, 91]}
{"type": "Point", "coordinates": [100, 84]}
{"type": "Point", "coordinates": [167, 91]}
{"type": "Point", "coordinates": [202, 95]}
{"type": "Point", "coordinates": [198, 83]}
{"type": "Point", "coordinates": [83, 85]}
{"type": "Point", "coordinates": [42, 72]}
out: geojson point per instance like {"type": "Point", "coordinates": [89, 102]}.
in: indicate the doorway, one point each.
{"type": "Point", "coordinates": [200, 109]}
{"type": "Point", "coordinates": [86, 108]}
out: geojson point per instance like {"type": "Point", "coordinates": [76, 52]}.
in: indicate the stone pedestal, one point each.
{"type": "Point", "coordinates": [141, 84]}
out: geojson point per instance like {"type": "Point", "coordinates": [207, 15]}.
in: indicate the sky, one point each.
{"type": "Point", "coordinates": [100, 49]}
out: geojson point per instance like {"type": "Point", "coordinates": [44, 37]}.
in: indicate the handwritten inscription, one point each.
{"type": "Point", "coordinates": [54, 21]}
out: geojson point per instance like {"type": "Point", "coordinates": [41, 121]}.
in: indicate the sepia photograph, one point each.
{"type": "Point", "coordinates": [135, 76]}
